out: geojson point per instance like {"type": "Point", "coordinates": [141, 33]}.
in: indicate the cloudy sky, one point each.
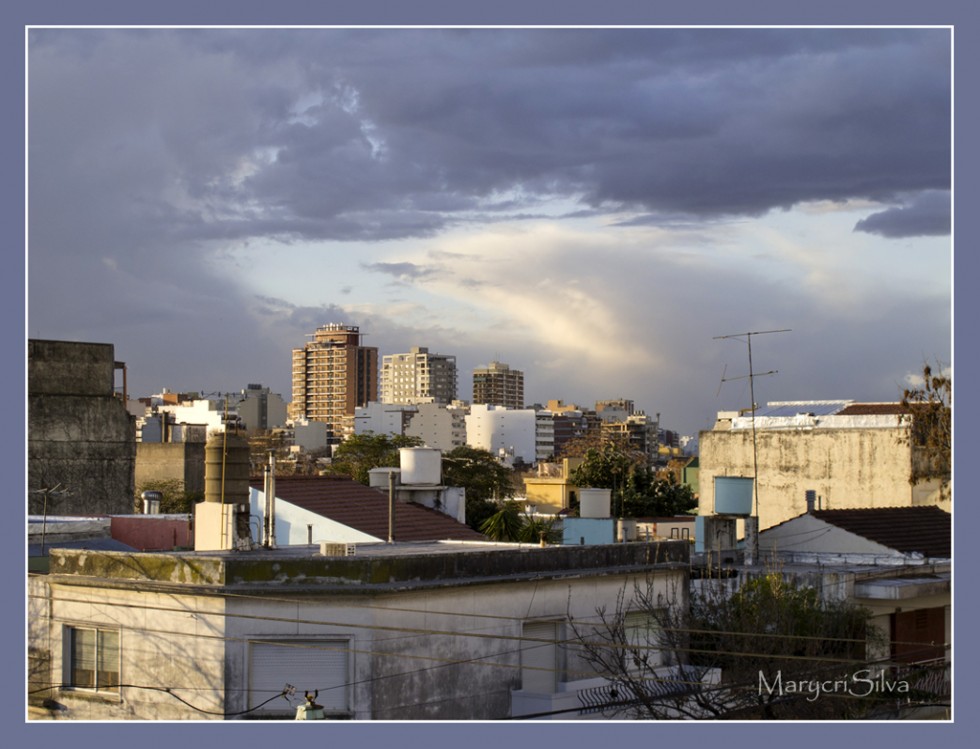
{"type": "Point", "coordinates": [591, 206]}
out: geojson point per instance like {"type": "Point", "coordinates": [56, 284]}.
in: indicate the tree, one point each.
{"type": "Point", "coordinates": [485, 479]}
{"type": "Point", "coordinates": [359, 453]}
{"type": "Point", "coordinates": [929, 415]}
{"type": "Point", "coordinates": [509, 523]}
{"type": "Point", "coordinates": [734, 652]}
{"type": "Point", "coordinates": [636, 490]}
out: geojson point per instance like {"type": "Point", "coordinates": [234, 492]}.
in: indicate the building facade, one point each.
{"type": "Point", "coordinates": [81, 440]}
{"type": "Point", "coordinates": [418, 377]}
{"type": "Point", "coordinates": [498, 385]}
{"type": "Point", "coordinates": [333, 374]}
{"type": "Point", "coordinates": [392, 632]}
{"type": "Point", "coordinates": [848, 454]}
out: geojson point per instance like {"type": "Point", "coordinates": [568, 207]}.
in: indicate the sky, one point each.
{"type": "Point", "coordinates": [595, 207]}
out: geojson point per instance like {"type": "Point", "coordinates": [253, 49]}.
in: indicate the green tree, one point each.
{"type": "Point", "coordinates": [768, 631]}
{"type": "Point", "coordinates": [511, 523]}
{"type": "Point", "coordinates": [929, 416]}
{"type": "Point", "coordinates": [636, 490]}
{"type": "Point", "coordinates": [485, 479]}
{"type": "Point", "coordinates": [359, 453]}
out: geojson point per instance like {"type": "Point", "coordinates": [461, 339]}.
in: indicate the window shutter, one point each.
{"type": "Point", "coordinates": [308, 665]}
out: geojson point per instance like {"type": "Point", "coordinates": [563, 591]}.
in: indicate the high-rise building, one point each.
{"type": "Point", "coordinates": [498, 385]}
{"type": "Point", "coordinates": [332, 375]}
{"type": "Point", "coordinates": [418, 377]}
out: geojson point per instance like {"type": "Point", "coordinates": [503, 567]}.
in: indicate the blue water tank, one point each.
{"type": "Point", "coordinates": [733, 495]}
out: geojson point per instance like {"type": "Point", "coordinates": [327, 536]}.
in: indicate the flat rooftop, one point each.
{"type": "Point", "coordinates": [371, 568]}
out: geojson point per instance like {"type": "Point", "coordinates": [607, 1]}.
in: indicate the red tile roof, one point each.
{"type": "Point", "coordinates": [365, 509]}
{"type": "Point", "coordinates": [927, 530]}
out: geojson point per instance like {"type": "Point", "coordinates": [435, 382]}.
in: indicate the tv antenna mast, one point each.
{"type": "Point", "coordinates": [754, 545]}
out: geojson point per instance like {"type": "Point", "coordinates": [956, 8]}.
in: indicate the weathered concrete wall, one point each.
{"type": "Point", "coordinates": [445, 654]}
{"type": "Point", "coordinates": [848, 468]}
{"type": "Point", "coordinates": [165, 641]}
{"type": "Point", "coordinates": [171, 461]}
{"type": "Point", "coordinates": [70, 368]}
{"type": "Point", "coordinates": [79, 434]}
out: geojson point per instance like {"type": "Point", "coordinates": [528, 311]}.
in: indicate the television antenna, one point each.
{"type": "Point", "coordinates": [754, 406]}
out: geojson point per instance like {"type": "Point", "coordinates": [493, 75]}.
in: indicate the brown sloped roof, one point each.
{"type": "Point", "coordinates": [873, 409]}
{"type": "Point", "coordinates": [365, 509]}
{"type": "Point", "coordinates": [927, 530]}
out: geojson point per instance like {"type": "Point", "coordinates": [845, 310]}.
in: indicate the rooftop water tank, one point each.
{"type": "Point", "coordinates": [226, 469]}
{"type": "Point", "coordinates": [733, 495]}
{"type": "Point", "coordinates": [420, 465]}
{"type": "Point", "coordinates": [594, 503]}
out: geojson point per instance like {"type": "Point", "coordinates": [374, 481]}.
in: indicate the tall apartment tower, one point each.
{"type": "Point", "coordinates": [418, 377]}
{"type": "Point", "coordinates": [332, 375]}
{"type": "Point", "coordinates": [498, 385]}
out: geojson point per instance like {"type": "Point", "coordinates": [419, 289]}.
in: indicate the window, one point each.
{"type": "Point", "coordinates": [308, 665]}
{"type": "Point", "coordinates": [92, 660]}
{"type": "Point", "coordinates": [539, 657]}
{"type": "Point", "coordinates": [642, 634]}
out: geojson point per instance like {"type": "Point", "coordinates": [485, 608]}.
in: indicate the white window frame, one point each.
{"type": "Point", "coordinates": [69, 656]}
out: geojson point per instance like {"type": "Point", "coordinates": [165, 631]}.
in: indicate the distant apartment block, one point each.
{"type": "Point", "coordinates": [498, 385]}
{"type": "Point", "coordinates": [261, 409]}
{"type": "Point", "coordinates": [418, 377]}
{"type": "Point", "coordinates": [333, 374]}
{"type": "Point", "coordinates": [438, 426]}
{"type": "Point", "coordinates": [508, 433]}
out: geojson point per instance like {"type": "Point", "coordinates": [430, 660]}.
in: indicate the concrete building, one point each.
{"type": "Point", "coordinates": [260, 409]}
{"type": "Point", "coordinates": [551, 489]}
{"type": "Point", "coordinates": [383, 418]}
{"type": "Point", "coordinates": [80, 437]}
{"type": "Point", "coordinates": [896, 562]}
{"type": "Point", "coordinates": [177, 463]}
{"type": "Point", "coordinates": [505, 432]}
{"type": "Point", "coordinates": [404, 631]}
{"type": "Point", "coordinates": [498, 385]}
{"type": "Point", "coordinates": [439, 426]}
{"type": "Point", "coordinates": [849, 454]}
{"type": "Point", "coordinates": [333, 374]}
{"type": "Point", "coordinates": [418, 377]}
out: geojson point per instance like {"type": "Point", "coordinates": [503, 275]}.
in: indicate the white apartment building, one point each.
{"type": "Point", "coordinates": [418, 377]}
{"type": "Point", "coordinates": [439, 426]}
{"type": "Point", "coordinates": [509, 433]}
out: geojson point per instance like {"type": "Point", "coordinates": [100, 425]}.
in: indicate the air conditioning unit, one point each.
{"type": "Point", "coordinates": [334, 549]}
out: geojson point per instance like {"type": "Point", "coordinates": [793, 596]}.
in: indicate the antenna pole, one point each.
{"type": "Point", "coordinates": [753, 543]}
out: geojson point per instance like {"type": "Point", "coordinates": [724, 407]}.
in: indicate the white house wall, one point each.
{"type": "Point", "coordinates": [292, 524]}
{"type": "Point", "coordinates": [430, 655]}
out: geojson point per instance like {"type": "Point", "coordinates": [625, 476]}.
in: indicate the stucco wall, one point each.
{"type": "Point", "coordinates": [445, 654]}
{"type": "Point", "coordinates": [848, 468]}
{"type": "Point", "coordinates": [166, 641]}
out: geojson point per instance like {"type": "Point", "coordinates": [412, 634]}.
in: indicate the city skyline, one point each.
{"type": "Point", "coordinates": [592, 206]}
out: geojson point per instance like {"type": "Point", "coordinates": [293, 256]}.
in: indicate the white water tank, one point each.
{"type": "Point", "coordinates": [420, 465]}
{"type": "Point", "coordinates": [594, 503]}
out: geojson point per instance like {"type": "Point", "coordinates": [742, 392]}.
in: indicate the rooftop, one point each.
{"type": "Point", "coordinates": [926, 530]}
{"type": "Point", "coordinates": [372, 568]}
{"type": "Point", "coordinates": [365, 509]}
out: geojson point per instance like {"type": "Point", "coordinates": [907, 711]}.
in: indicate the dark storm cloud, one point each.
{"type": "Point", "coordinates": [927, 214]}
{"type": "Point", "coordinates": [364, 134]}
